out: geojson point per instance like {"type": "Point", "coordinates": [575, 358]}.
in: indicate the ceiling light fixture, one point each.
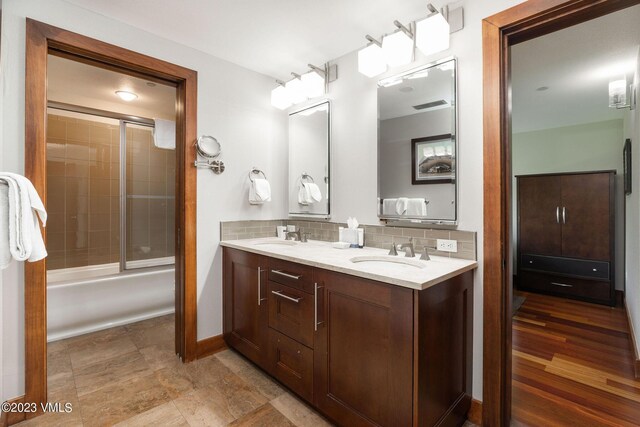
{"type": "Point", "coordinates": [126, 95]}
{"type": "Point", "coordinates": [432, 33]}
{"type": "Point", "coordinates": [398, 46]}
{"type": "Point", "coordinates": [371, 61]}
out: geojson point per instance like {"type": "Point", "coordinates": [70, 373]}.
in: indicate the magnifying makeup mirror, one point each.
{"type": "Point", "coordinates": [209, 148]}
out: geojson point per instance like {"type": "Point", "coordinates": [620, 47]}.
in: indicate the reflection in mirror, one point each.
{"type": "Point", "coordinates": [417, 144]}
{"type": "Point", "coordinates": [309, 141]}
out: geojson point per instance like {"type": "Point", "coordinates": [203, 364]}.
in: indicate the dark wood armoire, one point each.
{"type": "Point", "coordinates": [565, 234]}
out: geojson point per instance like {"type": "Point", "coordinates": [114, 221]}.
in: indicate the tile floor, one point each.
{"type": "Point", "coordinates": [129, 376]}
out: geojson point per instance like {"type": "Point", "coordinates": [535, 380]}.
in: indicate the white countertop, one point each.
{"type": "Point", "coordinates": [322, 255]}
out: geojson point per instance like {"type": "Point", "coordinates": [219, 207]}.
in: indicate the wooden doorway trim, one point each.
{"type": "Point", "coordinates": [525, 21]}
{"type": "Point", "coordinates": [41, 39]}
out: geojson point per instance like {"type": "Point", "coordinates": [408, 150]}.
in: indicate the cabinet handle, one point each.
{"type": "Point", "coordinates": [564, 215]}
{"type": "Point", "coordinates": [315, 306]}
{"type": "Point", "coordinates": [260, 299]}
{"type": "Point", "coordinates": [564, 285]}
{"type": "Point", "coordinates": [290, 276]}
{"type": "Point", "coordinates": [558, 214]}
{"type": "Point", "coordinates": [281, 295]}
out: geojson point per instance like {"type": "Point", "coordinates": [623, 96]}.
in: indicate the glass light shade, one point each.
{"type": "Point", "coordinates": [618, 93]}
{"type": "Point", "coordinates": [397, 49]}
{"type": "Point", "coordinates": [280, 98]}
{"type": "Point", "coordinates": [313, 84]}
{"type": "Point", "coordinates": [126, 95]}
{"type": "Point", "coordinates": [371, 61]}
{"type": "Point", "coordinates": [295, 90]}
{"type": "Point", "coordinates": [432, 34]}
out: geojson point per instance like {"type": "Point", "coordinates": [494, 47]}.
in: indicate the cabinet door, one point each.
{"type": "Point", "coordinates": [539, 210]}
{"type": "Point", "coordinates": [586, 223]}
{"type": "Point", "coordinates": [245, 304]}
{"type": "Point", "coordinates": [363, 351]}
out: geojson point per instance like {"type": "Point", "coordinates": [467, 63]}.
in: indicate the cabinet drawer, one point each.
{"type": "Point", "coordinates": [593, 290]}
{"type": "Point", "coordinates": [291, 312]}
{"type": "Point", "coordinates": [291, 363]}
{"type": "Point", "coordinates": [566, 266]}
{"type": "Point", "coordinates": [291, 274]}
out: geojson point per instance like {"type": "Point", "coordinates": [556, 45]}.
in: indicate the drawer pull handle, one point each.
{"type": "Point", "coordinates": [564, 285]}
{"type": "Point", "coordinates": [281, 295]}
{"type": "Point", "coordinates": [260, 299]}
{"type": "Point", "coordinates": [290, 276]}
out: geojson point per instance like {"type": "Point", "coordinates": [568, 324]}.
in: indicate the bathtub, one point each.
{"type": "Point", "coordinates": [77, 306]}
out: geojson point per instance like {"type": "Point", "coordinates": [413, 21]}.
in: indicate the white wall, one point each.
{"type": "Point", "coordinates": [632, 243]}
{"type": "Point", "coordinates": [586, 147]}
{"type": "Point", "coordinates": [233, 105]}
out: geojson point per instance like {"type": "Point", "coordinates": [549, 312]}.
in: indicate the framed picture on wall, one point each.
{"type": "Point", "coordinates": [626, 161]}
{"type": "Point", "coordinates": [433, 159]}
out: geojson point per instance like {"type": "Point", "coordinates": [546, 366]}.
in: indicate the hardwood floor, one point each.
{"type": "Point", "coordinates": [572, 365]}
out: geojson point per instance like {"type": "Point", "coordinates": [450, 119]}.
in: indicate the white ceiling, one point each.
{"type": "Point", "coordinates": [576, 64]}
{"type": "Point", "coordinates": [77, 83]}
{"type": "Point", "coordinates": [273, 37]}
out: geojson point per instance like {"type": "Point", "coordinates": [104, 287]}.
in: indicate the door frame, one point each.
{"type": "Point", "coordinates": [41, 39]}
{"type": "Point", "coordinates": [528, 20]}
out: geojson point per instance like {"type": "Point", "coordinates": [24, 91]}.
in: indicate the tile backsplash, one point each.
{"type": "Point", "coordinates": [377, 236]}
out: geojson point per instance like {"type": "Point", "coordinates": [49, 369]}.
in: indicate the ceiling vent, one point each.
{"type": "Point", "coordinates": [430, 105]}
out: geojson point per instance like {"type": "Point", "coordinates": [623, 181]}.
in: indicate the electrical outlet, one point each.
{"type": "Point", "coordinates": [447, 245]}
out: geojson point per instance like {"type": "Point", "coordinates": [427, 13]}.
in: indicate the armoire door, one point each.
{"type": "Point", "coordinates": [539, 211]}
{"type": "Point", "coordinates": [586, 215]}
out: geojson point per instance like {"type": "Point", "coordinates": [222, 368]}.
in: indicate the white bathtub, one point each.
{"type": "Point", "coordinates": [80, 306]}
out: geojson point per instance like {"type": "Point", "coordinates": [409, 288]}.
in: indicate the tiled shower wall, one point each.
{"type": "Point", "coordinates": [376, 236]}
{"type": "Point", "coordinates": [83, 194]}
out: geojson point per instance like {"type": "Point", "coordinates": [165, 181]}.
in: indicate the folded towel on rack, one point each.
{"type": "Point", "coordinates": [25, 208]}
{"type": "Point", "coordinates": [259, 191]}
{"type": "Point", "coordinates": [389, 206]}
{"type": "Point", "coordinates": [401, 205]}
{"type": "Point", "coordinates": [164, 134]}
{"type": "Point", "coordinates": [417, 207]}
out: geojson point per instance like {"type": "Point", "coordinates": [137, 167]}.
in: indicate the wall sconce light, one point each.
{"type": "Point", "coordinates": [398, 46]}
{"type": "Point", "coordinates": [312, 84]}
{"type": "Point", "coordinates": [432, 33]}
{"type": "Point", "coordinates": [371, 61]}
{"type": "Point", "coordinates": [622, 95]}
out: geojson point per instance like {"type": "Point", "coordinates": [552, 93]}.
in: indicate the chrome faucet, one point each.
{"type": "Point", "coordinates": [425, 255]}
{"type": "Point", "coordinates": [408, 248]}
{"type": "Point", "coordinates": [294, 235]}
{"type": "Point", "coordinates": [393, 251]}
{"type": "Point", "coordinates": [304, 237]}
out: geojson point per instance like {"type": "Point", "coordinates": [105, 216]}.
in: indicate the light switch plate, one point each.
{"type": "Point", "coordinates": [445, 245]}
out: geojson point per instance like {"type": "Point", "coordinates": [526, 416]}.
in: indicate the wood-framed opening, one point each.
{"type": "Point", "coordinates": [41, 39]}
{"type": "Point", "coordinates": [526, 21]}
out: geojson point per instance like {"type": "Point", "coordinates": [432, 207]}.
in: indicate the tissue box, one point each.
{"type": "Point", "coordinates": [354, 237]}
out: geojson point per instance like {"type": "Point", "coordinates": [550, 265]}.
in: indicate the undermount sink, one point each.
{"type": "Point", "coordinates": [277, 242]}
{"type": "Point", "coordinates": [386, 261]}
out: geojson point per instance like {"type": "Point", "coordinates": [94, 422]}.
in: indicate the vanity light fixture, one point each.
{"type": "Point", "coordinates": [295, 89]}
{"type": "Point", "coordinates": [371, 60]}
{"type": "Point", "coordinates": [280, 97]}
{"type": "Point", "coordinates": [126, 95]}
{"type": "Point", "coordinates": [398, 46]}
{"type": "Point", "coordinates": [432, 33]}
{"type": "Point", "coordinates": [314, 82]}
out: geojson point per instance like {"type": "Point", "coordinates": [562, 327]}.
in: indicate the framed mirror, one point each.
{"type": "Point", "coordinates": [309, 161]}
{"type": "Point", "coordinates": [417, 145]}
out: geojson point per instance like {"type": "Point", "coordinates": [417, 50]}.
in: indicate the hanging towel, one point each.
{"type": "Point", "coordinates": [164, 134]}
{"type": "Point", "coordinates": [25, 208]}
{"type": "Point", "coordinates": [417, 207]}
{"type": "Point", "coordinates": [389, 206]}
{"type": "Point", "coordinates": [5, 253]}
{"type": "Point", "coordinates": [314, 191]}
{"type": "Point", "coordinates": [259, 191]}
{"type": "Point", "coordinates": [401, 205]}
{"type": "Point", "coordinates": [304, 196]}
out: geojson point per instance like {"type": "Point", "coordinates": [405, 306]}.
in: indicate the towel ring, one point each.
{"type": "Point", "coordinates": [256, 171]}
{"type": "Point", "coordinates": [306, 176]}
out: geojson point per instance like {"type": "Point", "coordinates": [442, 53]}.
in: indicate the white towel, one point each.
{"type": "Point", "coordinates": [304, 196]}
{"type": "Point", "coordinates": [5, 253]}
{"type": "Point", "coordinates": [164, 134]}
{"type": "Point", "coordinates": [401, 205]}
{"type": "Point", "coordinates": [314, 191]}
{"type": "Point", "coordinates": [260, 191]}
{"type": "Point", "coordinates": [389, 206]}
{"type": "Point", "coordinates": [25, 207]}
{"type": "Point", "coordinates": [417, 207]}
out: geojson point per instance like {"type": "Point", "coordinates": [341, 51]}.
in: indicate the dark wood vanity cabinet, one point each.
{"type": "Point", "coordinates": [566, 235]}
{"type": "Point", "coordinates": [361, 352]}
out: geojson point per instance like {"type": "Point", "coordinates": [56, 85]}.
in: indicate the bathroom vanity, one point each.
{"type": "Point", "coordinates": [379, 341]}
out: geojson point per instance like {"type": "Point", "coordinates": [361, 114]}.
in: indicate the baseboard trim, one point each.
{"type": "Point", "coordinates": [475, 412]}
{"type": "Point", "coordinates": [209, 346]}
{"type": "Point", "coordinates": [11, 418]}
{"type": "Point", "coordinates": [632, 336]}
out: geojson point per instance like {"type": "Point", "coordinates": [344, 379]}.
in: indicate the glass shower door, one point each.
{"type": "Point", "coordinates": [148, 185]}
